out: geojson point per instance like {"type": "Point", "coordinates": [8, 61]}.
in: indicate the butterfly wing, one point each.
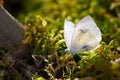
{"type": "Point", "coordinates": [88, 23]}
{"type": "Point", "coordinates": [84, 40]}
{"type": "Point", "coordinates": [68, 31]}
{"type": "Point", "coordinates": [86, 35]}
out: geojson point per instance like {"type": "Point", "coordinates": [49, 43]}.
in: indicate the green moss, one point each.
{"type": "Point", "coordinates": [45, 37]}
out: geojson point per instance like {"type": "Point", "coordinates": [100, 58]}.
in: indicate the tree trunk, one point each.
{"type": "Point", "coordinates": [11, 31]}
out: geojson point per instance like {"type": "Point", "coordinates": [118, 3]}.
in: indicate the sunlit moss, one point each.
{"type": "Point", "coordinates": [44, 35]}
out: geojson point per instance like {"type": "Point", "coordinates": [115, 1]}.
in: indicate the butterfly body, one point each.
{"type": "Point", "coordinates": [84, 36]}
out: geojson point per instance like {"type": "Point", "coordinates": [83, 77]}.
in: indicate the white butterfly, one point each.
{"type": "Point", "coordinates": [83, 36]}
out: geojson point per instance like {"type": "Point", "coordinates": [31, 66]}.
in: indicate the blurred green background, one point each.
{"type": "Point", "coordinates": [101, 10]}
{"type": "Point", "coordinates": [105, 12]}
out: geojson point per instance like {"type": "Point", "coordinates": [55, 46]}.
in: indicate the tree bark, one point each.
{"type": "Point", "coordinates": [11, 31]}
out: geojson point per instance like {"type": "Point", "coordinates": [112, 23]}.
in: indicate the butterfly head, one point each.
{"type": "Point", "coordinates": [70, 51]}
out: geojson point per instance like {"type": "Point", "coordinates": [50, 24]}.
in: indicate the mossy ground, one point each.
{"type": "Point", "coordinates": [45, 43]}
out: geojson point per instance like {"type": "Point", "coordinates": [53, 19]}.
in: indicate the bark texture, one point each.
{"type": "Point", "coordinates": [11, 30]}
